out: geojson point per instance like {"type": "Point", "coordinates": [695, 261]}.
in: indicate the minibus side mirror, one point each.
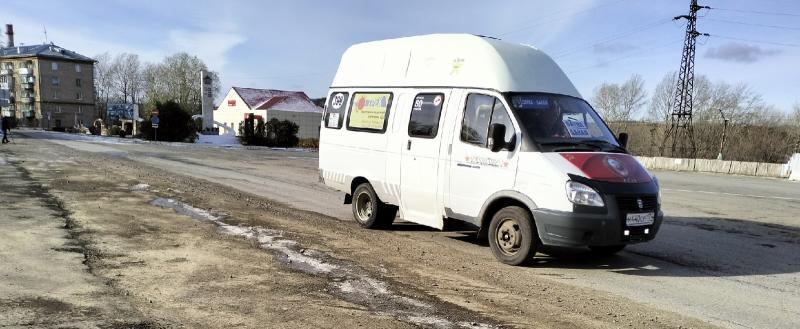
{"type": "Point", "coordinates": [497, 135]}
{"type": "Point", "coordinates": [623, 140]}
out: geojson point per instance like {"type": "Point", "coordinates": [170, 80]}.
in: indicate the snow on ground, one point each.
{"type": "Point", "coordinates": [228, 140]}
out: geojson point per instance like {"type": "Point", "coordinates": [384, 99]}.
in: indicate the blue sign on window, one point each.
{"type": "Point", "coordinates": [530, 102]}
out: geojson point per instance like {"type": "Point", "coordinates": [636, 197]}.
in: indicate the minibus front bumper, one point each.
{"type": "Point", "coordinates": [577, 229]}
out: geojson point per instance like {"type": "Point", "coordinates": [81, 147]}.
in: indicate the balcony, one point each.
{"type": "Point", "coordinates": [27, 85]}
{"type": "Point", "coordinates": [4, 86]}
{"type": "Point", "coordinates": [6, 71]}
{"type": "Point", "coordinates": [26, 100]}
{"type": "Point", "coordinates": [8, 112]}
{"type": "Point", "coordinates": [28, 114]}
{"type": "Point", "coordinates": [27, 79]}
{"type": "Point", "coordinates": [25, 71]}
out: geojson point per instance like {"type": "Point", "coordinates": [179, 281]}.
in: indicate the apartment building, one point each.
{"type": "Point", "coordinates": [46, 86]}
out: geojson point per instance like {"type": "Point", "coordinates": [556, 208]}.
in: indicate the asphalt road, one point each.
{"type": "Point", "coordinates": [728, 253]}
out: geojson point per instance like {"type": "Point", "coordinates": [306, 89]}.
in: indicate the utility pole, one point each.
{"type": "Point", "coordinates": [681, 133]}
{"type": "Point", "coordinates": [724, 130]}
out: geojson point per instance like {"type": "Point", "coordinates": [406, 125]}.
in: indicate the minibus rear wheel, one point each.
{"type": "Point", "coordinates": [369, 211]}
{"type": "Point", "coordinates": [512, 236]}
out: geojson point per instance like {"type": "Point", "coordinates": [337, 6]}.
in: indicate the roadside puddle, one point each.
{"type": "Point", "coordinates": [346, 280]}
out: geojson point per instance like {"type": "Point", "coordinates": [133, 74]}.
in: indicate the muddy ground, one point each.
{"type": "Point", "coordinates": [95, 240]}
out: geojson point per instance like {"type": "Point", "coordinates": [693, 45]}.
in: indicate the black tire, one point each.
{"type": "Point", "coordinates": [369, 211]}
{"type": "Point", "coordinates": [606, 250]}
{"type": "Point", "coordinates": [512, 236]}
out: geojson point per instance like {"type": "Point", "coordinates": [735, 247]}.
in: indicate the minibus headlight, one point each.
{"type": "Point", "coordinates": [658, 188]}
{"type": "Point", "coordinates": [581, 194]}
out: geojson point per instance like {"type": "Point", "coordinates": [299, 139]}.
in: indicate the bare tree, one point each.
{"type": "Point", "coordinates": [793, 119]}
{"type": "Point", "coordinates": [127, 78]}
{"type": "Point", "coordinates": [619, 104]}
{"type": "Point", "coordinates": [663, 99]}
{"type": "Point", "coordinates": [177, 79]}
{"type": "Point", "coordinates": [103, 77]}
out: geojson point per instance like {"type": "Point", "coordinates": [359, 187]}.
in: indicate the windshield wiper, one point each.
{"type": "Point", "coordinates": [614, 148]}
{"type": "Point", "coordinates": [586, 145]}
{"type": "Point", "coordinates": [573, 146]}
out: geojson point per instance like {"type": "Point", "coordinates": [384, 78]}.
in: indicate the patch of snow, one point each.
{"type": "Point", "coordinates": [349, 281]}
{"type": "Point", "coordinates": [140, 187]}
{"type": "Point", "coordinates": [227, 140]}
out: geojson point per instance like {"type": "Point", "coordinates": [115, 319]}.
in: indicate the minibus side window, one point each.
{"type": "Point", "coordinates": [477, 114]}
{"type": "Point", "coordinates": [425, 113]}
{"type": "Point", "coordinates": [482, 111]}
{"type": "Point", "coordinates": [334, 111]}
{"type": "Point", "coordinates": [369, 111]}
{"type": "Point", "coordinates": [500, 115]}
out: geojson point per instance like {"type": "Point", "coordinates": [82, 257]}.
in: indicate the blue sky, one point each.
{"type": "Point", "coordinates": [296, 45]}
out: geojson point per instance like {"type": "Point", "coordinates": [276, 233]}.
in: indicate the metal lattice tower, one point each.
{"type": "Point", "coordinates": [681, 134]}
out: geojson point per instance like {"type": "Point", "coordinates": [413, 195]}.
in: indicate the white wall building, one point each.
{"type": "Point", "coordinates": [294, 106]}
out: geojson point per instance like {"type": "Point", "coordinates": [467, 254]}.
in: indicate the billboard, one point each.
{"type": "Point", "coordinates": [122, 111]}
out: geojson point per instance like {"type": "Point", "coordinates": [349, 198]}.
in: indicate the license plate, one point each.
{"type": "Point", "coordinates": [640, 219]}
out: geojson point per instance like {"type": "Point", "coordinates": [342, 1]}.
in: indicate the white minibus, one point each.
{"type": "Point", "coordinates": [471, 128]}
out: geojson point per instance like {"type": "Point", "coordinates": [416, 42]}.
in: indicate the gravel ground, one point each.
{"type": "Point", "coordinates": [184, 251]}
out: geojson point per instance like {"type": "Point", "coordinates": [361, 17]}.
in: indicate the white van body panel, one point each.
{"type": "Point", "coordinates": [439, 177]}
{"type": "Point", "coordinates": [454, 61]}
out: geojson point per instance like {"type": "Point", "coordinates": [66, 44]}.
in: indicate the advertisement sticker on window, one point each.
{"type": "Point", "coordinates": [368, 111]}
{"type": "Point", "coordinates": [333, 120]}
{"type": "Point", "coordinates": [576, 127]}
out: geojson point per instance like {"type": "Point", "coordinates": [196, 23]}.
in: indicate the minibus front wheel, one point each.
{"type": "Point", "coordinates": [512, 236]}
{"type": "Point", "coordinates": [369, 211]}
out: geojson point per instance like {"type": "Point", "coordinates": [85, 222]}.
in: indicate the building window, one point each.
{"type": "Point", "coordinates": [79, 95]}
{"type": "Point", "coordinates": [58, 109]}
{"type": "Point", "coordinates": [80, 109]}
{"type": "Point", "coordinates": [54, 66]}
{"type": "Point", "coordinates": [77, 82]}
{"type": "Point", "coordinates": [55, 94]}
{"type": "Point", "coordinates": [56, 81]}
{"type": "Point", "coordinates": [78, 68]}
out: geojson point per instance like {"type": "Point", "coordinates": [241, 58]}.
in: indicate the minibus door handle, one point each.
{"type": "Point", "coordinates": [408, 146]}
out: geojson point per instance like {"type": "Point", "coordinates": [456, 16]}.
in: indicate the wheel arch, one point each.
{"type": "Point", "coordinates": [500, 200]}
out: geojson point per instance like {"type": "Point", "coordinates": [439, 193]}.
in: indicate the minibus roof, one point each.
{"type": "Point", "coordinates": [451, 60]}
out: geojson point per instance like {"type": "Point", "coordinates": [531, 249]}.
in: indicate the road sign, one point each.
{"type": "Point", "coordinates": [154, 121]}
{"type": "Point", "coordinates": [155, 125]}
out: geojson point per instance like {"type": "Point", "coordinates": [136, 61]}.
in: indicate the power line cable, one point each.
{"type": "Point", "coordinates": [757, 12]}
{"type": "Point", "coordinates": [755, 24]}
{"type": "Point", "coordinates": [614, 37]}
{"type": "Point", "coordinates": [606, 62]}
{"type": "Point", "coordinates": [758, 41]}
{"type": "Point", "coordinates": [558, 17]}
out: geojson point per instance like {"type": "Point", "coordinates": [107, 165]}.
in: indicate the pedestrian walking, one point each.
{"type": "Point", "coordinates": [6, 126]}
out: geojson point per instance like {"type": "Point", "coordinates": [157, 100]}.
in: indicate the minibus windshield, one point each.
{"type": "Point", "coordinates": [562, 123]}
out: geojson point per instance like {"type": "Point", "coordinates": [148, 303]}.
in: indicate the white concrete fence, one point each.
{"type": "Point", "coordinates": [789, 170]}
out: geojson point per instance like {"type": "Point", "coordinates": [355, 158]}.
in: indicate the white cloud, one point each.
{"type": "Point", "coordinates": [740, 53]}
{"type": "Point", "coordinates": [211, 47]}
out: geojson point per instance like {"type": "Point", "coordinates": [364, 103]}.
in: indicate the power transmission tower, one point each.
{"type": "Point", "coordinates": [681, 133]}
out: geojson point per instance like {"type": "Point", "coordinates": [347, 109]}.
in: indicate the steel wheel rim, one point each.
{"type": "Point", "coordinates": [363, 207]}
{"type": "Point", "coordinates": [508, 236]}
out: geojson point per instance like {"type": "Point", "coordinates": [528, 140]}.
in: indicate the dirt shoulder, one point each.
{"type": "Point", "coordinates": [185, 252]}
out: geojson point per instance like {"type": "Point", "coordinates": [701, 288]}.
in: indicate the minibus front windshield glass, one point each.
{"type": "Point", "coordinates": [562, 123]}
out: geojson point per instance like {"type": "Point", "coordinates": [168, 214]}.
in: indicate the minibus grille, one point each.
{"type": "Point", "coordinates": [631, 203]}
